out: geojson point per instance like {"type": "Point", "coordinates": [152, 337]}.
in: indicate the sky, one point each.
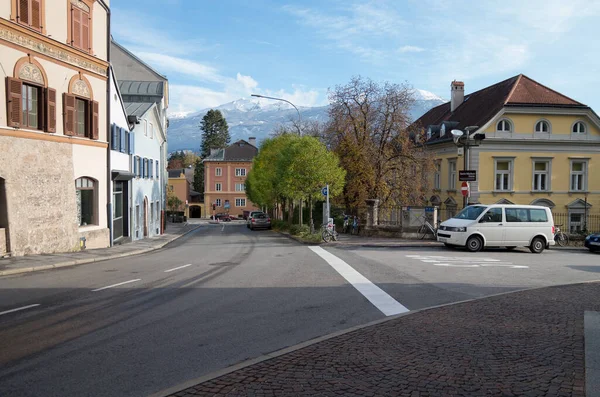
{"type": "Point", "coordinates": [214, 52]}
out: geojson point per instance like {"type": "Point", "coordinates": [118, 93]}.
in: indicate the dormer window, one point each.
{"type": "Point", "coordinates": [504, 125]}
{"type": "Point", "coordinates": [443, 130]}
{"type": "Point", "coordinates": [429, 133]}
{"type": "Point", "coordinates": [542, 126]}
{"type": "Point", "coordinates": [578, 128]}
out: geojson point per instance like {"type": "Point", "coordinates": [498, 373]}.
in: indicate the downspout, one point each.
{"type": "Point", "coordinates": [108, 134]}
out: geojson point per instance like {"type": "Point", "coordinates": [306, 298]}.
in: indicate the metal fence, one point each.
{"type": "Point", "coordinates": [406, 217]}
{"type": "Point", "coordinates": [575, 223]}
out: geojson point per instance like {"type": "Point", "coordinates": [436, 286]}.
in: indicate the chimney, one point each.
{"type": "Point", "coordinates": [457, 94]}
{"type": "Point", "coordinates": [252, 141]}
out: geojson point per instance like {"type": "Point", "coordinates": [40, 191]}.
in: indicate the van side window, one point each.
{"type": "Point", "coordinates": [493, 215]}
{"type": "Point", "coordinates": [526, 215]}
{"type": "Point", "coordinates": [538, 216]}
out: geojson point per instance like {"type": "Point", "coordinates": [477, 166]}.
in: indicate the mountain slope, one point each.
{"type": "Point", "coordinates": [254, 117]}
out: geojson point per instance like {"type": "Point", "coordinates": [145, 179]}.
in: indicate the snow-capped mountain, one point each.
{"type": "Point", "coordinates": [259, 117]}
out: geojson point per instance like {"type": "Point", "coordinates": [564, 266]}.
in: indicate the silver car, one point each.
{"type": "Point", "coordinates": [252, 214]}
{"type": "Point", "coordinates": [260, 221]}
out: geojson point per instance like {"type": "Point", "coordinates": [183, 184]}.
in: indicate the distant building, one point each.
{"type": "Point", "coordinates": [225, 172]}
{"type": "Point", "coordinates": [540, 147]}
{"type": "Point", "coordinates": [181, 182]}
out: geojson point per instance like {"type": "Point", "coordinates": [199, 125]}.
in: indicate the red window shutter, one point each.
{"type": "Point", "coordinates": [75, 27]}
{"type": "Point", "coordinates": [14, 94]}
{"type": "Point", "coordinates": [85, 31]}
{"type": "Point", "coordinates": [50, 110]}
{"type": "Point", "coordinates": [23, 11]}
{"type": "Point", "coordinates": [36, 14]}
{"type": "Point", "coordinates": [69, 114]}
{"type": "Point", "coordinates": [95, 128]}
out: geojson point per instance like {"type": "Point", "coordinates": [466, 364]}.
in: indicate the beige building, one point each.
{"type": "Point", "coordinates": [53, 125]}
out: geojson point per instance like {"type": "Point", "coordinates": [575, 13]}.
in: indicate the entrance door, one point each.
{"type": "Point", "coordinates": [195, 211]}
{"type": "Point", "coordinates": [145, 216]}
{"type": "Point", "coordinates": [118, 206]}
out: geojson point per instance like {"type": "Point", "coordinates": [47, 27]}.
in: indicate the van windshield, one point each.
{"type": "Point", "coordinates": [470, 213]}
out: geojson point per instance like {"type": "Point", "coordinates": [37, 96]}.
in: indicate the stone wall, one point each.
{"type": "Point", "coordinates": [40, 192]}
{"type": "Point", "coordinates": [2, 242]}
{"type": "Point", "coordinates": [95, 238]}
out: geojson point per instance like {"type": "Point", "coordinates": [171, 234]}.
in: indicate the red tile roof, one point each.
{"type": "Point", "coordinates": [530, 92]}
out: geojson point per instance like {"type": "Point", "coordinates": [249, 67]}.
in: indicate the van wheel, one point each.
{"type": "Point", "coordinates": [537, 245]}
{"type": "Point", "coordinates": [474, 243]}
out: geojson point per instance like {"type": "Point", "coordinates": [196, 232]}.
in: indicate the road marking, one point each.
{"type": "Point", "coordinates": [464, 261]}
{"type": "Point", "coordinates": [378, 297]}
{"type": "Point", "coordinates": [177, 268]}
{"type": "Point", "coordinates": [116, 285]}
{"type": "Point", "coordinates": [19, 309]}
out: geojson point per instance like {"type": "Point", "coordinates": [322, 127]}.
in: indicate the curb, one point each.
{"type": "Point", "coordinates": [75, 262]}
{"type": "Point", "coordinates": [297, 239]}
{"type": "Point", "coordinates": [290, 349]}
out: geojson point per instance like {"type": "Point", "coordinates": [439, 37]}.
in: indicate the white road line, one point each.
{"type": "Point", "coordinates": [177, 268]}
{"type": "Point", "coordinates": [19, 309]}
{"type": "Point", "coordinates": [116, 285]}
{"type": "Point", "coordinates": [378, 297]}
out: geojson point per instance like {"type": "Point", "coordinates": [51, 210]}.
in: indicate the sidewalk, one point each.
{"type": "Point", "coordinates": [523, 343]}
{"type": "Point", "coordinates": [31, 263]}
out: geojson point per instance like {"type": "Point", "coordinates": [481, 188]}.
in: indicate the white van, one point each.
{"type": "Point", "coordinates": [499, 225]}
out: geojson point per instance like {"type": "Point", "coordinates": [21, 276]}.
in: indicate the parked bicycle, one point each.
{"type": "Point", "coordinates": [328, 233]}
{"type": "Point", "coordinates": [561, 238]}
{"type": "Point", "coordinates": [427, 228]}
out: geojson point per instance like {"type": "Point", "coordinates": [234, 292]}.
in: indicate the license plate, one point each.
{"type": "Point", "coordinates": [442, 239]}
{"type": "Point", "coordinates": [594, 242]}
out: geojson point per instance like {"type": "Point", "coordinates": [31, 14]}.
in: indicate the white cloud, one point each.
{"type": "Point", "coordinates": [166, 63]}
{"type": "Point", "coordinates": [410, 48]}
{"type": "Point", "coordinates": [247, 81]}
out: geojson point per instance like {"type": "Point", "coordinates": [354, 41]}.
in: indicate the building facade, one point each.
{"type": "Point", "coordinates": [225, 172]}
{"type": "Point", "coordinates": [181, 186]}
{"type": "Point", "coordinates": [540, 147]}
{"type": "Point", "coordinates": [53, 125]}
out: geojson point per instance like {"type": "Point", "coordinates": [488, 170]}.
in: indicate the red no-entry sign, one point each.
{"type": "Point", "coordinates": [464, 189]}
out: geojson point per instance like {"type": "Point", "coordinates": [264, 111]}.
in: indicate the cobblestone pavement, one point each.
{"type": "Point", "coordinates": [528, 343]}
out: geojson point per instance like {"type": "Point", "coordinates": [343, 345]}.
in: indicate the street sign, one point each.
{"type": "Point", "coordinates": [467, 176]}
{"type": "Point", "coordinates": [324, 191]}
{"type": "Point", "coordinates": [460, 151]}
{"type": "Point", "coordinates": [464, 189]}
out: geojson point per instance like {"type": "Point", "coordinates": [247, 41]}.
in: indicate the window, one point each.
{"type": "Point", "coordinates": [443, 130]}
{"type": "Point", "coordinates": [240, 172]}
{"type": "Point", "coordinates": [578, 128]}
{"type": "Point", "coordinates": [503, 175]}
{"type": "Point", "coordinates": [31, 101]}
{"type": "Point", "coordinates": [145, 128]}
{"type": "Point", "coordinates": [151, 130]}
{"type": "Point", "coordinates": [218, 172]}
{"type": "Point", "coordinates": [29, 13]}
{"type": "Point", "coordinates": [493, 215]}
{"type": "Point", "coordinates": [151, 213]}
{"type": "Point", "coordinates": [151, 169]}
{"type": "Point", "coordinates": [240, 187]}
{"type": "Point", "coordinates": [240, 202]}
{"type": "Point", "coordinates": [86, 196]}
{"type": "Point", "coordinates": [157, 173]}
{"type": "Point", "coordinates": [137, 219]}
{"type": "Point", "coordinates": [171, 188]}
{"type": "Point", "coordinates": [542, 126]}
{"type": "Point", "coordinates": [541, 176]}
{"type": "Point", "coordinates": [157, 211]}
{"type": "Point", "coordinates": [526, 215]}
{"type": "Point", "coordinates": [452, 174]}
{"type": "Point", "coordinates": [118, 201]}
{"type": "Point", "coordinates": [80, 31]}
{"type": "Point", "coordinates": [575, 222]}
{"type": "Point", "coordinates": [218, 187]}
{"type": "Point", "coordinates": [120, 139]}
{"type": "Point", "coordinates": [504, 126]}
{"type": "Point", "coordinates": [578, 175]}
{"type": "Point", "coordinates": [436, 175]}
{"type": "Point", "coordinates": [80, 117]}
{"type": "Point", "coordinates": [218, 202]}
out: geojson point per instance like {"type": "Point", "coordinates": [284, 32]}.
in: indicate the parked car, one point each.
{"type": "Point", "coordinates": [223, 217]}
{"type": "Point", "coordinates": [250, 216]}
{"type": "Point", "coordinates": [499, 225]}
{"type": "Point", "coordinates": [592, 242]}
{"type": "Point", "coordinates": [260, 221]}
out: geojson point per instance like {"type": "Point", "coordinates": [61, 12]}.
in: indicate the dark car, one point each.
{"type": "Point", "coordinates": [223, 217]}
{"type": "Point", "coordinates": [260, 221]}
{"type": "Point", "coordinates": [592, 242]}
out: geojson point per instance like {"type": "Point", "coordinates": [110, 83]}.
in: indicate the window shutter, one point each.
{"type": "Point", "coordinates": [94, 121]}
{"type": "Point", "coordinates": [122, 137]}
{"type": "Point", "coordinates": [113, 137]}
{"type": "Point", "coordinates": [14, 111]}
{"type": "Point", "coordinates": [69, 114]}
{"type": "Point", "coordinates": [36, 14]}
{"type": "Point", "coordinates": [150, 167]}
{"type": "Point", "coordinates": [24, 11]}
{"type": "Point", "coordinates": [85, 31]}
{"type": "Point", "coordinates": [131, 143]}
{"type": "Point", "coordinates": [50, 110]}
{"type": "Point", "coordinates": [75, 26]}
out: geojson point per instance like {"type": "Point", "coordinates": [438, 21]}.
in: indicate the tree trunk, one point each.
{"type": "Point", "coordinates": [300, 213]}
{"type": "Point", "coordinates": [310, 222]}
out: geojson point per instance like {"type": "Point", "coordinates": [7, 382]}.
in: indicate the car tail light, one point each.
{"type": "Point", "coordinates": [253, 220]}
{"type": "Point", "coordinates": [553, 229]}
{"type": "Point", "coordinates": [268, 219]}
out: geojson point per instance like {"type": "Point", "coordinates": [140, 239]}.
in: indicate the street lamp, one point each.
{"type": "Point", "coordinates": [463, 139]}
{"type": "Point", "coordinates": [283, 100]}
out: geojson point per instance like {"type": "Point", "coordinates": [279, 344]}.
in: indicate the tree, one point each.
{"type": "Point", "coordinates": [173, 202]}
{"type": "Point", "coordinates": [199, 177]}
{"type": "Point", "coordinates": [189, 159]}
{"type": "Point", "coordinates": [215, 132]}
{"type": "Point", "coordinates": [368, 130]}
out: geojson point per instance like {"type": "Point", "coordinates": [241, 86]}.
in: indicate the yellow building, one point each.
{"type": "Point", "coordinates": [540, 147]}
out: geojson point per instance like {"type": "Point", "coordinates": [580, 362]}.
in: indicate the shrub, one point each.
{"type": "Point", "coordinates": [298, 230]}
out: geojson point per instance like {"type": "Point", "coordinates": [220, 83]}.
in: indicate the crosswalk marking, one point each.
{"type": "Point", "coordinates": [464, 261]}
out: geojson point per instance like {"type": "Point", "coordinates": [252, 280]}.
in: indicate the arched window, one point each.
{"type": "Point", "coordinates": [81, 111]}
{"type": "Point", "coordinates": [578, 128]}
{"type": "Point", "coordinates": [542, 126]}
{"type": "Point", "coordinates": [86, 201]}
{"type": "Point", "coordinates": [504, 125]}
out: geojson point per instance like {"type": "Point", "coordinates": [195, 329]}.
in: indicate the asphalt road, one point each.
{"type": "Point", "coordinates": [224, 294]}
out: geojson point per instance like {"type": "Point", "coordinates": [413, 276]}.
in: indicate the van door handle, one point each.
{"type": "Point", "coordinates": [499, 224]}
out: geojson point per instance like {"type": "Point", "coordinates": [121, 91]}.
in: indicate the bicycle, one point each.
{"type": "Point", "coordinates": [427, 228]}
{"type": "Point", "coordinates": [328, 233]}
{"type": "Point", "coordinates": [561, 237]}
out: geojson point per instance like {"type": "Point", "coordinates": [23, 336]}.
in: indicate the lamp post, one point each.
{"type": "Point", "coordinates": [282, 100]}
{"type": "Point", "coordinates": [463, 139]}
